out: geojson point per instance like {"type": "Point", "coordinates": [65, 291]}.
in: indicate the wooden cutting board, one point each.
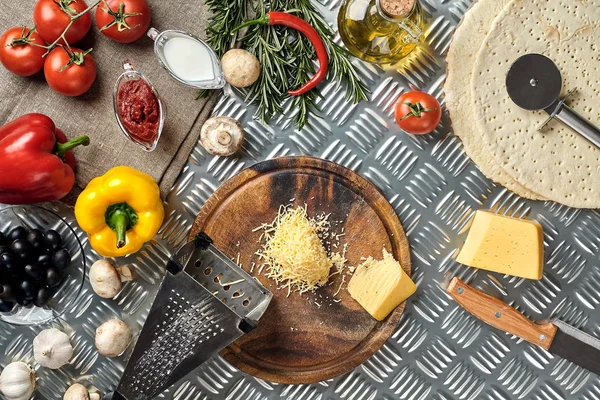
{"type": "Point", "coordinates": [308, 338]}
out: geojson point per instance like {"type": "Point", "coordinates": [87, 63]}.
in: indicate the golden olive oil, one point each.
{"type": "Point", "coordinates": [374, 35]}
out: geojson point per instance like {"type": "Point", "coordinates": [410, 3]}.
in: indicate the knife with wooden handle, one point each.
{"type": "Point", "coordinates": [557, 337]}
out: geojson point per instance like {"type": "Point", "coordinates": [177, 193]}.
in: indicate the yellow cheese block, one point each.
{"type": "Point", "coordinates": [507, 245]}
{"type": "Point", "coordinates": [379, 286]}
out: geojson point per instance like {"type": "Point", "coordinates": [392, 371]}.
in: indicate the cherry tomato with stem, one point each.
{"type": "Point", "coordinates": [123, 21]}
{"type": "Point", "coordinates": [22, 51]}
{"type": "Point", "coordinates": [70, 72]}
{"type": "Point", "coordinates": [418, 113]}
{"type": "Point", "coordinates": [52, 17]}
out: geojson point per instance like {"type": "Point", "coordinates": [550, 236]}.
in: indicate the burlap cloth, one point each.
{"type": "Point", "coordinates": [92, 113]}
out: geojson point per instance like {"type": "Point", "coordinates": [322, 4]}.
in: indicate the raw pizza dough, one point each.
{"type": "Point", "coordinates": [462, 54]}
{"type": "Point", "coordinates": [558, 164]}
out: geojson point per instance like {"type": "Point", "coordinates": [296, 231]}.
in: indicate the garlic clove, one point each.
{"type": "Point", "coordinates": [17, 381]}
{"type": "Point", "coordinates": [52, 348]}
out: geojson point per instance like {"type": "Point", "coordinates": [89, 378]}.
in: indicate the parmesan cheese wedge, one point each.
{"type": "Point", "coordinates": [379, 286]}
{"type": "Point", "coordinates": [506, 245]}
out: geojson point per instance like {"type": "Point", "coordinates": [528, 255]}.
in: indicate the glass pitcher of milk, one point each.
{"type": "Point", "coordinates": [188, 59]}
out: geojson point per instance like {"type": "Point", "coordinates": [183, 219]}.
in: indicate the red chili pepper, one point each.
{"type": "Point", "coordinates": [291, 21]}
{"type": "Point", "coordinates": [36, 163]}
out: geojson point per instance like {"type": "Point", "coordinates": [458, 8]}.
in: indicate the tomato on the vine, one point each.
{"type": "Point", "coordinates": [418, 112]}
{"type": "Point", "coordinates": [19, 53]}
{"type": "Point", "coordinates": [124, 21]}
{"type": "Point", "coordinates": [51, 18]}
{"type": "Point", "coordinates": [70, 72]}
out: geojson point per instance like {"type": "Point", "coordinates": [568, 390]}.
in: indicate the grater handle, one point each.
{"type": "Point", "coordinates": [570, 118]}
{"type": "Point", "coordinates": [114, 396]}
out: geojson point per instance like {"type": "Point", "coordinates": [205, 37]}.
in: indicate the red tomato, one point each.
{"type": "Point", "coordinates": [418, 112]}
{"type": "Point", "coordinates": [78, 75]}
{"type": "Point", "coordinates": [125, 21]}
{"type": "Point", "coordinates": [17, 55]}
{"type": "Point", "coordinates": [51, 18]}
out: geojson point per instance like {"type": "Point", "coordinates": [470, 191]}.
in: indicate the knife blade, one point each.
{"type": "Point", "coordinates": [557, 336]}
{"type": "Point", "coordinates": [576, 346]}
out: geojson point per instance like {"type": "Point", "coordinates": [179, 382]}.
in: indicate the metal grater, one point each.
{"type": "Point", "coordinates": [203, 304]}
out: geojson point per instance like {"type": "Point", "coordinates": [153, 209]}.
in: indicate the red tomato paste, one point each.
{"type": "Point", "coordinates": [139, 110]}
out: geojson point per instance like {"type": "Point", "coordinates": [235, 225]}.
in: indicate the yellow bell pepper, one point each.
{"type": "Point", "coordinates": [120, 211]}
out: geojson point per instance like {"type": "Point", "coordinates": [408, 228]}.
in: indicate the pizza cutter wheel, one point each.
{"type": "Point", "coordinates": [534, 83]}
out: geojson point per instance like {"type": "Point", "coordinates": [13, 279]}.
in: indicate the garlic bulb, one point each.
{"type": "Point", "coordinates": [17, 381]}
{"type": "Point", "coordinates": [52, 348]}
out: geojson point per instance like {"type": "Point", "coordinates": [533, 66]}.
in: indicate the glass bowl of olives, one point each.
{"type": "Point", "coordinates": [42, 265]}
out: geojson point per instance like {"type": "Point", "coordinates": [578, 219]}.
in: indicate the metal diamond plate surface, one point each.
{"type": "Point", "coordinates": [438, 350]}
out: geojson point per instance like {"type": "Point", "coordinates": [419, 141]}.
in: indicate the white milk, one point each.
{"type": "Point", "coordinates": [188, 59]}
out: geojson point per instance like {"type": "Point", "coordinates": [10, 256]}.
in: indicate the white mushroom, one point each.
{"type": "Point", "coordinates": [79, 392]}
{"type": "Point", "coordinates": [240, 67]}
{"type": "Point", "coordinates": [112, 338]}
{"type": "Point", "coordinates": [106, 280]}
{"type": "Point", "coordinates": [222, 136]}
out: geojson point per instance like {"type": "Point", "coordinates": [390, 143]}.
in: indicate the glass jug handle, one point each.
{"type": "Point", "coordinates": [411, 28]}
{"type": "Point", "coordinates": [153, 33]}
{"type": "Point", "coordinates": [128, 65]}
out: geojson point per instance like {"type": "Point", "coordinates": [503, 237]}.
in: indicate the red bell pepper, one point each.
{"type": "Point", "coordinates": [36, 163]}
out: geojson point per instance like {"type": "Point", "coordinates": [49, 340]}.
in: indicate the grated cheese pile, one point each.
{"type": "Point", "coordinates": [293, 253]}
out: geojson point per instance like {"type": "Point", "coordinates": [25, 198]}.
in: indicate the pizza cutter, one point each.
{"type": "Point", "coordinates": [534, 83]}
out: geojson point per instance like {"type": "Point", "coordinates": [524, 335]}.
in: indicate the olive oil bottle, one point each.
{"type": "Point", "coordinates": [381, 31]}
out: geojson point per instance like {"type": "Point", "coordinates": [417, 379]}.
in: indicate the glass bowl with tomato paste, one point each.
{"type": "Point", "coordinates": [138, 107]}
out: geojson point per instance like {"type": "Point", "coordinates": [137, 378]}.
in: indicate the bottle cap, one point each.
{"type": "Point", "coordinates": [397, 8]}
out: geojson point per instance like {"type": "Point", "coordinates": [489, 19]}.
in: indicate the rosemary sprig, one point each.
{"type": "Point", "coordinates": [305, 105]}
{"type": "Point", "coordinates": [340, 67]}
{"type": "Point", "coordinates": [286, 57]}
{"type": "Point", "coordinates": [266, 43]}
{"type": "Point", "coordinates": [226, 15]}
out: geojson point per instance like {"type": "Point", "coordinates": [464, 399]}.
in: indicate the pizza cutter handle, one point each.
{"type": "Point", "coordinates": [570, 118]}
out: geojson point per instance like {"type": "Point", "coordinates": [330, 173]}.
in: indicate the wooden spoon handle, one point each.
{"type": "Point", "coordinates": [500, 315]}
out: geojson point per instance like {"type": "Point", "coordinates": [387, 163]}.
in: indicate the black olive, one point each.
{"type": "Point", "coordinates": [6, 293]}
{"type": "Point", "coordinates": [17, 233]}
{"type": "Point", "coordinates": [6, 306]}
{"type": "Point", "coordinates": [28, 288]}
{"type": "Point", "coordinates": [23, 248]}
{"type": "Point", "coordinates": [26, 302]}
{"type": "Point", "coordinates": [34, 272]}
{"type": "Point", "coordinates": [12, 263]}
{"type": "Point", "coordinates": [44, 260]}
{"type": "Point", "coordinates": [3, 240]}
{"type": "Point", "coordinates": [20, 298]}
{"type": "Point", "coordinates": [52, 278]}
{"type": "Point", "coordinates": [61, 259]}
{"type": "Point", "coordinates": [52, 240]}
{"type": "Point", "coordinates": [36, 239]}
{"type": "Point", "coordinates": [5, 248]}
{"type": "Point", "coordinates": [42, 297]}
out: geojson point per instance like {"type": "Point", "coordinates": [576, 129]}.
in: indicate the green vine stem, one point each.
{"type": "Point", "coordinates": [62, 37]}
